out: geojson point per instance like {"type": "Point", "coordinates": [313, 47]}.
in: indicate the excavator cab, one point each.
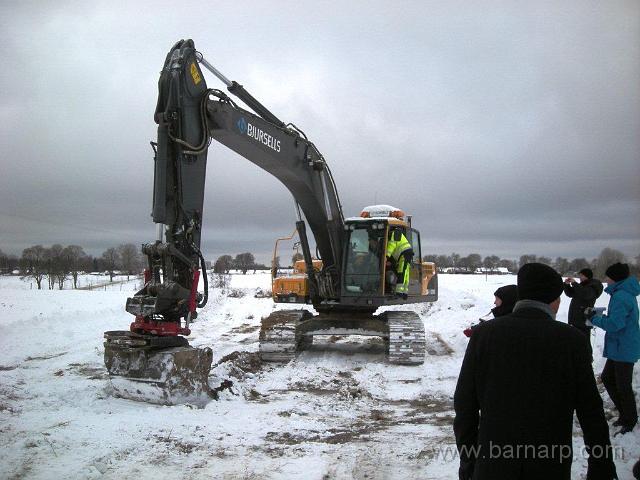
{"type": "Point", "coordinates": [370, 277]}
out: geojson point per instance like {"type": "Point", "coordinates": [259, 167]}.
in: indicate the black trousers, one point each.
{"type": "Point", "coordinates": [616, 377]}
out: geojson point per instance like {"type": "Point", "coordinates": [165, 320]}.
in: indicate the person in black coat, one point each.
{"type": "Point", "coordinates": [583, 295]}
{"type": "Point", "coordinates": [522, 378]}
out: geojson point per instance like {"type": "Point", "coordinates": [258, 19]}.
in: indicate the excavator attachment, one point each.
{"type": "Point", "coordinates": [161, 370]}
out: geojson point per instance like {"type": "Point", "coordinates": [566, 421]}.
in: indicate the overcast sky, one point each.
{"type": "Point", "coordinates": [502, 127]}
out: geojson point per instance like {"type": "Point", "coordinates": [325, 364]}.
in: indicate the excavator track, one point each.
{"type": "Point", "coordinates": [279, 338]}
{"type": "Point", "coordinates": [407, 343]}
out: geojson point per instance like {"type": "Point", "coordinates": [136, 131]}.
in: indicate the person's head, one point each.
{"type": "Point", "coordinates": [541, 283]}
{"type": "Point", "coordinates": [507, 295]}
{"type": "Point", "coordinates": [505, 299]}
{"type": "Point", "coordinates": [616, 272]}
{"type": "Point", "coordinates": [585, 274]}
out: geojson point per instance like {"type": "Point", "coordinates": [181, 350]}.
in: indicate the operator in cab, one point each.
{"type": "Point", "coordinates": [399, 254]}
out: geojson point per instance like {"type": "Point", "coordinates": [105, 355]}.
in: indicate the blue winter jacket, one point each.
{"type": "Point", "coordinates": [622, 340]}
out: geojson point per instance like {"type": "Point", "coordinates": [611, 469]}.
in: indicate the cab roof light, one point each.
{"type": "Point", "coordinates": [382, 211]}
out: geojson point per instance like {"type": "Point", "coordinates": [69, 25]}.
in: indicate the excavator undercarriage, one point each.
{"type": "Point", "coordinates": [285, 332]}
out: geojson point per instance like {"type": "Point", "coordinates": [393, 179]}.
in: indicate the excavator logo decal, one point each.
{"type": "Point", "coordinates": [242, 125]}
{"type": "Point", "coordinates": [254, 132]}
{"type": "Point", "coordinates": [195, 74]}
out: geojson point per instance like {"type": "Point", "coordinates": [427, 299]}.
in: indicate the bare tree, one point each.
{"type": "Point", "coordinates": [8, 263]}
{"type": "Point", "coordinates": [475, 261]}
{"type": "Point", "coordinates": [608, 257]}
{"type": "Point", "coordinates": [578, 264]}
{"type": "Point", "coordinates": [508, 264]}
{"type": "Point", "coordinates": [49, 268]}
{"type": "Point", "coordinates": [4, 260]}
{"type": "Point", "coordinates": [61, 265]}
{"type": "Point", "coordinates": [223, 264]}
{"type": "Point", "coordinates": [524, 259]}
{"type": "Point", "coordinates": [455, 260]}
{"type": "Point", "coordinates": [111, 261]}
{"type": "Point", "coordinates": [33, 264]}
{"type": "Point", "coordinates": [130, 259]}
{"type": "Point", "coordinates": [545, 260]}
{"type": "Point", "coordinates": [491, 262]}
{"type": "Point", "coordinates": [244, 261]}
{"type": "Point", "coordinates": [56, 267]}
{"type": "Point", "coordinates": [561, 264]}
{"type": "Point", "coordinates": [75, 260]}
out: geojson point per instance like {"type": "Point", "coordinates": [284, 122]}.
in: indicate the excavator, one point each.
{"type": "Point", "coordinates": [346, 283]}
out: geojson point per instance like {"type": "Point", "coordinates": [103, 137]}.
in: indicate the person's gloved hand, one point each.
{"type": "Point", "coordinates": [468, 331]}
{"type": "Point", "coordinates": [591, 312]}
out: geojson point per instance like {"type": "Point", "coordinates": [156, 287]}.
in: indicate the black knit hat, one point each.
{"type": "Point", "coordinates": [509, 296]}
{"type": "Point", "coordinates": [540, 282]}
{"type": "Point", "coordinates": [618, 271]}
{"type": "Point", "coordinates": [587, 272]}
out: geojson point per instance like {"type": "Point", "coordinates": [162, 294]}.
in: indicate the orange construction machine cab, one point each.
{"type": "Point", "coordinates": [365, 279]}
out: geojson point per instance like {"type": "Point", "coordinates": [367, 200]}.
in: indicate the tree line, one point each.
{"type": "Point", "coordinates": [245, 262]}
{"type": "Point", "coordinates": [59, 263]}
{"type": "Point", "coordinates": [474, 261]}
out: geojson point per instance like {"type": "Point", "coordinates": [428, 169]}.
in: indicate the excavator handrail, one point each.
{"type": "Point", "coordinates": [274, 269]}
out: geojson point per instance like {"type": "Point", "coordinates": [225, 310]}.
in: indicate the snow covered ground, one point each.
{"type": "Point", "coordinates": [336, 412]}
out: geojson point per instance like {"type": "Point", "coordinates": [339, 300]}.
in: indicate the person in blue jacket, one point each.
{"type": "Point", "coordinates": [621, 342]}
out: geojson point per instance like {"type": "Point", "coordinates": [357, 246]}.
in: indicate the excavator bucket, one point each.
{"type": "Point", "coordinates": [139, 370]}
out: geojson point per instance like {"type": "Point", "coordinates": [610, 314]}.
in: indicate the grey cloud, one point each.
{"type": "Point", "coordinates": [502, 128]}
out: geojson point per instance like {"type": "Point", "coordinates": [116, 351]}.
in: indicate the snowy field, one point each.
{"type": "Point", "coordinates": [336, 412]}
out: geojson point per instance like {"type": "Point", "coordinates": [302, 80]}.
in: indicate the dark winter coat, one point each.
{"type": "Point", "coordinates": [583, 295]}
{"type": "Point", "coordinates": [622, 340]}
{"type": "Point", "coordinates": [527, 374]}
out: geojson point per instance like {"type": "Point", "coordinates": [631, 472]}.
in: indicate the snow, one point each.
{"type": "Point", "coordinates": [337, 411]}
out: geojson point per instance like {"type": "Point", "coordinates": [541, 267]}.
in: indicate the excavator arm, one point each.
{"type": "Point", "coordinates": [189, 116]}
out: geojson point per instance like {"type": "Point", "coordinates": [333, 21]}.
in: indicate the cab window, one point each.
{"type": "Point", "coordinates": [363, 261]}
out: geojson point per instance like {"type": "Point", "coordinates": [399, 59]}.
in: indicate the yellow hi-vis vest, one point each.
{"type": "Point", "coordinates": [395, 248]}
